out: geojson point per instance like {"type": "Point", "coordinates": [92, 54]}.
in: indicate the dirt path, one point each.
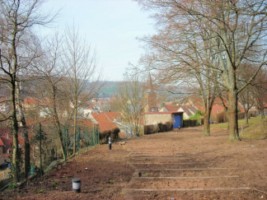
{"type": "Point", "coordinates": [185, 165]}
{"type": "Point", "coordinates": [173, 165]}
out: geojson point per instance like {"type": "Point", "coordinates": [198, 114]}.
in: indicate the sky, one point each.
{"type": "Point", "coordinates": [111, 27]}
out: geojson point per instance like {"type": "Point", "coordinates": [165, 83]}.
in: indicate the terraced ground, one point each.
{"type": "Point", "coordinates": [173, 165]}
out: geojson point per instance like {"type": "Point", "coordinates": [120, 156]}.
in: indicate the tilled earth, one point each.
{"type": "Point", "coordinates": [172, 165]}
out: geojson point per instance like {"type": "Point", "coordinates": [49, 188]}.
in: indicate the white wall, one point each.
{"type": "Point", "coordinates": [156, 118]}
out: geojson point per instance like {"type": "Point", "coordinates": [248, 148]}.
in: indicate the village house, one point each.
{"type": "Point", "coordinates": [6, 144]}
{"type": "Point", "coordinates": [96, 105]}
{"type": "Point", "coordinates": [156, 118]}
{"type": "Point", "coordinates": [187, 109]}
{"type": "Point", "coordinates": [4, 106]}
{"type": "Point", "coordinates": [106, 123]}
{"type": "Point", "coordinates": [169, 107]}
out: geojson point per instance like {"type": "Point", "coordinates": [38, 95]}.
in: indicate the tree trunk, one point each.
{"type": "Point", "coordinates": [57, 122]}
{"type": "Point", "coordinates": [246, 116]}
{"type": "Point", "coordinates": [74, 128]}
{"type": "Point", "coordinates": [208, 102]}
{"type": "Point", "coordinates": [75, 115]}
{"type": "Point", "coordinates": [63, 149]}
{"type": "Point", "coordinates": [137, 132]}
{"type": "Point", "coordinates": [236, 114]}
{"type": "Point", "coordinates": [206, 130]}
{"type": "Point", "coordinates": [15, 143]}
{"type": "Point", "coordinates": [27, 151]}
{"type": "Point", "coordinates": [15, 157]}
{"type": "Point", "coordinates": [40, 152]}
{"type": "Point", "coordinates": [232, 115]}
{"type": "Point", "coordinates": [262, 112]}
{"type": "Point", "coordinates": [27, 158]}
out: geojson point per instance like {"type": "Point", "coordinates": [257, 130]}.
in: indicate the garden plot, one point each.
{"type": "Point", "coordinates": [186, 183]}
{"type": "Point", "coordinates": [178, 177]}
{"type": "Point", "coordinates": [193, 172]}
{"type": "Point", "coordinates": [144, 159]}
{"type": "Point", "coordinates": [182, 176]}
{"type": "Point", "coordinates": [239, 193]}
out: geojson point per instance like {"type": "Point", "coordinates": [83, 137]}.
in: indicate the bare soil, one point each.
{"type": "Point", "coordinates": [172, 165]}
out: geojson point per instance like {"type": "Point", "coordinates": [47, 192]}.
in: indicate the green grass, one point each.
{"type": "Point", "coordinates": [256, 128]}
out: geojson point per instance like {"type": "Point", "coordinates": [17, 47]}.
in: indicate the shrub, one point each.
{"type": "Point", "coordinates": [196, 117]}
{"type": "Point", "coordinates": [150, 129]}
{"type": "Point", "coordinates": [160, 127]}
{"type": "Point", "coordinates": [189, 123]}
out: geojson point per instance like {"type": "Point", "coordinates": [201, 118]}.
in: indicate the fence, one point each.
{"type": "Point", "coordinates": [85, 137]}
{"type": "Point", "coordinates": [51, 146]}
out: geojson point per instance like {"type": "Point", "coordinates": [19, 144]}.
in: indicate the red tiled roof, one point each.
{"type": "Point", "coordinates": [21, 140]}
{"type": "Point", "coordinates": [171, 107]}
{"type": "Point", "coordinates": [35, 121]}
{"type": "Point", "coordinates": [85, 122]}
{"type": "Point", "coordinates": [1, 142]}
{"type": "Point", "coordinates": [197, 103]}
{"type": "Point", "coordinates": [217, 108]}
{"type": "Point", "coordinates": [185, 110]}
{"type": "Point", "coordinates": [105, 120]}
{"type": "Point", "coordinates": [161, 113]}
{"type": "Point", "coordinates": [7, 143]}
{"type": "Point", "coordinates": [31, 101]}
{"type": "Point", "coordinates": [7, 139]}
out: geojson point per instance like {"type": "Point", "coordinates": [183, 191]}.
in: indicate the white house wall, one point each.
{"type": "Point", "coordinates": [153, 119]}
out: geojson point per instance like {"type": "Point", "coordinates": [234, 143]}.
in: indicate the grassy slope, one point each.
{"type": "Point", "coordinates": [256, 129]}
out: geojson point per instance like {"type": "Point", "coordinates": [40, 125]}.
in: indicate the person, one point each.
{"type": "Point", "coordinates": [109, 143]}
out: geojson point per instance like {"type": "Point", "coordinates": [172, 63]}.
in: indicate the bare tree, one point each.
{"type": "Point", "coordinates": [186, 56]}
{"type": "Point", "coordinates": [79, 59]}
{"type": "Point", "coordinates": [260, 91]}
{"type": "Point", "coordinates": [131, 97]}
{"type": "Point", "coordinates": [52, 88]}
{"type": "Point", "coordinates": [18, 18]}
{"type": "Point", "coordinates": [247, 97]}
{"type": "Point", "coordinates": [238, 35]}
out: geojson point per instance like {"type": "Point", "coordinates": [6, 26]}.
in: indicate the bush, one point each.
{"type": "Point", "coordinates": [169, 126]}
{"type": "Point", "coordinates": [115, 134]}
{"type": "Point", "coordinates": [165, 127]}
{"type": "Point", "coordinates": [160, 127]}
{"type": "Point", "coordinates": [190, 123]}
{"type": "Point", "coordinates": [149, 129]}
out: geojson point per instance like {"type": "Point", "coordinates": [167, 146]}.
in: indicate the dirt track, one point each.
{"type": "Point", "coordinates": [173, 165]}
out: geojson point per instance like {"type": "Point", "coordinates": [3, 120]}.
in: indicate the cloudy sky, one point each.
{"type": "Point", "coordinates": [110, 26]}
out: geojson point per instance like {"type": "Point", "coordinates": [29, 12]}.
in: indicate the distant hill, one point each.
{"type": "Point", "coordinates": [109, 88]}
{"type": "Point", "coordinates": [29, 87]}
